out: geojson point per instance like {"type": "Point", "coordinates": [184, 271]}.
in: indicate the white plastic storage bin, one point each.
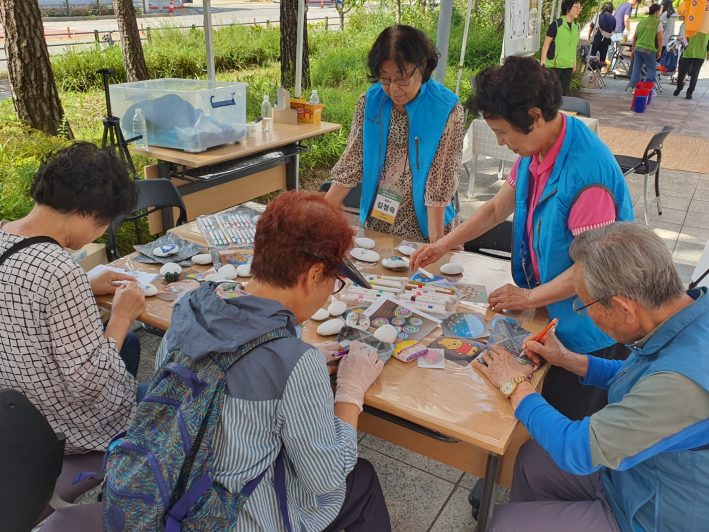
{"type": "Point", "coordinates": [185, 114]}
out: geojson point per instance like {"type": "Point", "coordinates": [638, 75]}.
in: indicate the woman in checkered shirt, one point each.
{"type": "Point", "coordinates": [53, 347]}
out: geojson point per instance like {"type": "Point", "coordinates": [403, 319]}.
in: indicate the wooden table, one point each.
{"type": "Point", "coordinates": [220, 177]}
{"type": "Point", "coordinates": [453, 415]}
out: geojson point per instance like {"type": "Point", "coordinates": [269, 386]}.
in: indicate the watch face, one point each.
{"type": "Point", "coordinates": [507, 387]}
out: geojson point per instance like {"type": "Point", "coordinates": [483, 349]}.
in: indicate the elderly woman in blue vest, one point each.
{"type": "Point", "coordinates": [406, 142]}
{"type": "Point", "coordinates": [565, 182]}
{"type": "Point", "coordinates": [641, 464]}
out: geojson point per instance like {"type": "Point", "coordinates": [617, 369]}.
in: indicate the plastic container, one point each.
{"type": "Point", "coordinates": [139, 128]}
{"type": "Point", "coordinates": [639, 104]}
{"type": "Point", "coordinates": [649, 86]}
{"type": "Point", "coordinates": [314, 98]}
{"type": "Point", "coordinates": [185, 114]}
{"type": "Point", "coordinates": [640, 92]}
{"type": "Point", "coordinates": [266, 114]}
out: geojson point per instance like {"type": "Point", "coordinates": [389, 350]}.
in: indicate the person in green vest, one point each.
{"type": "Point", "coordinates": [562, 40]}
{"type": "Point", "coordinates": [647, 46]}
{"type": "Point", "coordinates": [692, 61]}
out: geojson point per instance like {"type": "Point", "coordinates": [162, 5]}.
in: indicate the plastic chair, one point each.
{"type": "Point", "coordinates": [577, 105]}
{"type": "Point", "coordinates": [153, 195]}
{"type": "Point", "coordinates": [352, 200]}
{"type": "Point", "coordinates": [497, 242]}
{"type": "Point", "coordinates": [645, 165]}
{"type": "Point", "coordinates": [31, 455]}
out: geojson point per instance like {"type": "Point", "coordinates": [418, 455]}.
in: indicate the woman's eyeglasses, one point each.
{"type": "Point", "coordinates": [399, 82]}
{"type": "Point", "coordinates": [339, 284]}
{"type": "Point", "coordinates": [345, 268]}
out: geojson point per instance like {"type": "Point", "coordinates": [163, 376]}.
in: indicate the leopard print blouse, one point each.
{"type": "Point", "coordinates": [443, 176]}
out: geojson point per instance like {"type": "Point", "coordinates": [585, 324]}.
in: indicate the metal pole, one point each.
{"type": "Point", "coordinates": [299, 50]}
{"type": "Point", "coordinates": [444, 33]}
{"type": "Point", "coordinates": [146, 7]}
{"type": "Point", "coordinates": [553, 10]}
{"type": "Point", "coordinates": [209, 39]}
{"type": "Point", "coordinates": [462, 50]}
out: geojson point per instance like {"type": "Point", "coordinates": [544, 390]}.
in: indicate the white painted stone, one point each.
{"type": "Point", "coordinates": [366, 243]}
{"type": "Point", "coordinates": [215, 278]}
{"type": "Point", "coordinates": [386, 333]}
{"type": "Point", "coordinates": [337, 308]}
{"type": "Point", "coordinates": [330, 327]}
{"type": "Point", "coordinates": [452, 268]}
{"type": "Point", "coordinates": [149, 290]}
{"type": "Point", "coordinates": [395, 263]}
{"type": "Point", "coordinates": [320, 315]}
{"type": "Point", "coordinates": [364, 255]}
{"type": "Point", "coordinates": [227, 271]}
{"type": "Point", "coordinates": [170, 267]}
{"type": "Point", "coordinates": [406, 250]}
{"type": "Point", "coordinates": [358, 320]}
{"type": "Point", "coordinates": [244, 270]}
{"type": "Point", "coordinates": [166, 250]}
{"type": "Point", "coordinates": [204, 258]}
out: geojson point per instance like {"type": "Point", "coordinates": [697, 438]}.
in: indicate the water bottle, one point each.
{"type": "Point", "coordinates": [139, 128]}
{"type": "Point", "coordinates": [266, 114]}
{"type": "Point", "coordinates": [314, 100]}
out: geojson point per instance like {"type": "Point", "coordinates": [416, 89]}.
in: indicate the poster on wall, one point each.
{"type": "Point", "coordinates": [522, 23]}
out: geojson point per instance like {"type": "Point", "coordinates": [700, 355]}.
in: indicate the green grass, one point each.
{"type": "Point", "coordinates": [242, 53]}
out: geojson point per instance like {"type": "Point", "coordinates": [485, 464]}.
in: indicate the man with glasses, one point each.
{"type": "Point", "coordinates": [279, 396]}
{"type": "Point", "coordinates": [642, 462]}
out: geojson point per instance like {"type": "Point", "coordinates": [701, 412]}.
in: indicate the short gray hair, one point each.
{"type": "Point", "coordinates": [629, 260]}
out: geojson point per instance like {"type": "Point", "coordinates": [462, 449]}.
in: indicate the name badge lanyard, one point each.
{"type": "Point", "coordinates": [388, 202]}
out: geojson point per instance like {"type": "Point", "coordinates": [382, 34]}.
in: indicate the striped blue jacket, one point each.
{"type": "Point", "coordinates": [279, 395]}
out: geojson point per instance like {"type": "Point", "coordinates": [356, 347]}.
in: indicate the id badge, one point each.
{"type": "Point", "coordinates": [386, 205]}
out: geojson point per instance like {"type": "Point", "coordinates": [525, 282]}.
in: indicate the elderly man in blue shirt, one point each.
{"type": "Point", "coordinates": [642, 462]}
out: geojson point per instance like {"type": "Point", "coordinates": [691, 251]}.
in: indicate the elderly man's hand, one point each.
{"type": "Point", "coordinates": [551, 349]}
{"type": "Point", "coordinates": [510, 297]}
{"type": "Point", "coordinates": [501, 366]}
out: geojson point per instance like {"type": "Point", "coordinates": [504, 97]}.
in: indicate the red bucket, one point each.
{"type": "Point", "coordinates": [647, 85]}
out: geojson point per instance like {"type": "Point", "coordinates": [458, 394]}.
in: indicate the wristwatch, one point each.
{"type": "Point", "coordinates": [510, 385]}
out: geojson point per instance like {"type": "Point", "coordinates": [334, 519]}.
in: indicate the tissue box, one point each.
{"type": "Point", "coordinates": [307, 112]}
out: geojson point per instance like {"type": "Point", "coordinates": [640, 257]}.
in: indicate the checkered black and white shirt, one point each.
{"type": "Point", "coordinates": [53, 350]}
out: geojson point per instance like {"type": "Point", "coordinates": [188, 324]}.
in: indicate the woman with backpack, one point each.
{"type": "Point", "coordinates": [282, 454]}
{"type": "Point", "coordinates": [560, 46]}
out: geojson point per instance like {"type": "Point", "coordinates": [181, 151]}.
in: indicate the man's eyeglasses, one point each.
{"type": "Point", "coordinates": [347, 269]}
{"type": "Point", "coordinates": [582, 309]}
{"type": "Point", "coordinates": [399, 82]}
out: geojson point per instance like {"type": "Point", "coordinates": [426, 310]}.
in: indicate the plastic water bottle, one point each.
{"type": "Point", "coordinates": [314, 100]}
{"type": "Point", "coordinates": [139, 128]}
{"type": "Point", "coordinates": [266, 113]}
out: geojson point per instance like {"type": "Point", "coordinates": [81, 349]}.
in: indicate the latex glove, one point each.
{"type": "Point", "coordinates": [328, 349]}
{"type": "Point", "coordinates": [358, 371]}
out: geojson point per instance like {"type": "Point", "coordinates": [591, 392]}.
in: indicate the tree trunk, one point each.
{"type": "Point", "coordinates": [34, 91]}
{"type": "Point", "coordinates": [342, 19]}
{"type": "Point", "coordinates": [398, 11]}
{"type": "Point", "coordinates": [133, 59]}
{"type": "Point", "coordinates": [289, 39]}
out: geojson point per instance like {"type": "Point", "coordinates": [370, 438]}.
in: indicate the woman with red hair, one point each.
{"type": "Point", "coordinates": [279, 396]}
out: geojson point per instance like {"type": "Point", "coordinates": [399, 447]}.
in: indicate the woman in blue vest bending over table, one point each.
{"type": "Point", "coordinates": [406, 142]}
{"type": "Point", "coordinates": [566, 181]}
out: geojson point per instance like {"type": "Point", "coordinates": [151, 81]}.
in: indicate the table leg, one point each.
{"type": "Point", "coordinates": [487, 502]}
{"type": "Point", "coordinates": [168, 221]}
{"type": "Point", "coordinates": [471, 173]}
{"type": "Point", "coordinates": [292, 173]}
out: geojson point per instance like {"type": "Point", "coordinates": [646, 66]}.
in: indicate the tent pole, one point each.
{"type": "Point", "coordinates": [443, 39]}
{"type": "Point", "coordinates": [462, 50]}
{"type": "Point", "coordinates": [209, 39]}
{"type": "Point", "coordinates": [299, 50]}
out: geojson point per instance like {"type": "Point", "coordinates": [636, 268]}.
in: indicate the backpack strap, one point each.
{"type": "Point", "coordinates": [27, 242]}
{"type": "Point", "coordinates": [226, 360]}
{"type": "Point", "coordinates": [694, 284]}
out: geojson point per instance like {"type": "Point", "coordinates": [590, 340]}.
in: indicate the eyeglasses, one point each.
{"type": "Point", "coordinates": [398, 82]}
{"type": "Point", "coordinates": [583, 310]}
{"type": "Point", "coordinates": [339, 284]}
{"type": "Point", "coordinates": [346, 268]}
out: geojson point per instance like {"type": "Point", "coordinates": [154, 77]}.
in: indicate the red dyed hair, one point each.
{"type": "Point", "coordinates": [293, 224]}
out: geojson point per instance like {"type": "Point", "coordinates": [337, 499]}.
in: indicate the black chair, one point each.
{"type": "Point", "coordinates": [353, 197]}
{"type": "Point", "coordinates": [497, 242]}
{"type": "Point", "coordinates": [31, 460]}
{"type": "Point", "coordinates": [645, 165]}
{"type": "Point", "coordinates": [577, 105]}
{"type": "Point", "coordinates": [153, 195]}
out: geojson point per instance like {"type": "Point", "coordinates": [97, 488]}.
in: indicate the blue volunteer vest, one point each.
{"type": "Point", "coordinates": [428, 115]}
{"type": "Point", "coordinates": [668, 492]}
{"type": "Point", "coordinates": [584, 161]}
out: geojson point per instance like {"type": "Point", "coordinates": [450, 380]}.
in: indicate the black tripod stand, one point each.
{"type": "Point", "coordinates": [112, 127]}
